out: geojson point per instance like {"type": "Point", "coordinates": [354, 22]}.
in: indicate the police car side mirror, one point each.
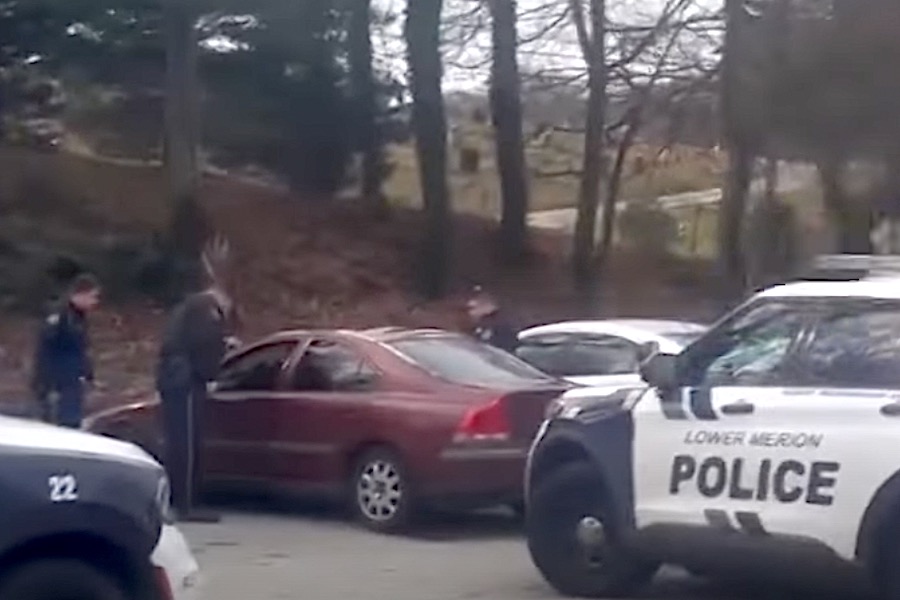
{"type": "Point", "coordinates": [660, 371]}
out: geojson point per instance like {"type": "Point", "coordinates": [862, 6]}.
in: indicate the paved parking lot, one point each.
{"type": "Point", "coordinates": [266, 554]}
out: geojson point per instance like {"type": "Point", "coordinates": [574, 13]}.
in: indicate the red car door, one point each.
{"type": "Point", "coordinates": [243, 412]}
{"type": "Point", "coordinates": [324, 414]}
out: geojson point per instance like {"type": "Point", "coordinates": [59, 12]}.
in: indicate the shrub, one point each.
{"type": "Point", "coordinates": [648, 229]}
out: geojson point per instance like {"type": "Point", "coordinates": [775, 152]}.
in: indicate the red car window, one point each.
{"type": "Point", "coordinates": [460, 359]}
{"type": "Point", "coordinates": [256, 370]}
{"type": "Point", "coordinates": [330, 367]}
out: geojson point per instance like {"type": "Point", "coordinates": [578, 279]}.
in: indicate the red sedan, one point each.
{"type": "Point", "coordinates": [392, 420]}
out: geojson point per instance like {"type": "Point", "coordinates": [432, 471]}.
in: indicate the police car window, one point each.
{"type": "Point", "coordinates": [857, 348]}
{"type": "Point", "coordinates": [257, 370]}
{"type": "Point", "coordinates": [750, 350]}
{"type": "Point", "coordinates": [547, 353]}
{"type": "Point", "coordinates": [327, 366]}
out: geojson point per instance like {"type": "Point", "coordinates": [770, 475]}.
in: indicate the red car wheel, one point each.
{"type": "Point", "coordinates": [380, 492]}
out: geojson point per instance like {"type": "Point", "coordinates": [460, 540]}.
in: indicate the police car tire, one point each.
{"type": "Point", "coordinates": [401, 520]}
{"type": "Point", "coordinates": [887, 575]}
{"type": "Point", "coordinates": [59, 579]}
{"type": "Point", "coordinates": [557, 505]}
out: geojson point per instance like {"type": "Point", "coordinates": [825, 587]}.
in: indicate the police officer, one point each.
{"type": "Point", "coordinates": [194, 343]}
{"type": "Point", "coordinates": [489, 323]}
{"type": "Point", "coordinates": [62, 365]}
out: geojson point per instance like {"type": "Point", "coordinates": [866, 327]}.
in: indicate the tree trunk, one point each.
{"type": "Point", "coordinates": [852, 223]}
{"type": "Point", "coordinates": [593, 47]}
{"type": "Point", "coordinates": [188, 221]}
{"type": "Point", "coordinates": [360, 51]}
{"type": "Point", "coordinates": [613, 186]}
{"type": "Point", "coordinates": [422, 30]}
{"type": "Point", "coordinates": [771, 181]}
{"type": "Point", "coordinates": [733, 206]}
{"type": "Point", "coordinates": [732, 210]}
{"type": "Point", "coordinates": [506, 108]}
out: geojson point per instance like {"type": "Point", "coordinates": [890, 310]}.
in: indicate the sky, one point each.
{"type": "Point", "coordinates": [549, 44]}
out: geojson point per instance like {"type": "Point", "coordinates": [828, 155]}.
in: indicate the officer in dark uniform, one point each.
{"type": "Point", "coordinates": [62, 364]}
{"type": "Point", "coordinates": [194, 343]}
{"type": "Point", "coordinates": [489, 324]}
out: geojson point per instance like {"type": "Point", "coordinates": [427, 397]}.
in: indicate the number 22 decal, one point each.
{"type": "Point", "coordinates": [63, 488]}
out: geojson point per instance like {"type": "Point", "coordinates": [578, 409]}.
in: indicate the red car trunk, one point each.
{"type": "Point", "coordinates": [510, 417]}
{"type": "Point", "coordinates": [525, 410]}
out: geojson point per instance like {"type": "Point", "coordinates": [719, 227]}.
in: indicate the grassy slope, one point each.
{"type": "Point", "coordinates": [305, 265]}
{"type": "Point", "coordinates": [647, 174]}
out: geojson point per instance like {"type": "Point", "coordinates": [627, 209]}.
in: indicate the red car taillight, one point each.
{"type": "Point", "coordinates": [488, 422]}
{"type": "Point", "coordinates": [162, 584]}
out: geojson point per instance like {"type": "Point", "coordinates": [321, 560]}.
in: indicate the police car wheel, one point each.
{"type": "Point", "coordinates": [887, 574]}
{"type": "Point", "coordinates": [380, 492]}
{"type": "Point", "coordinates": [59, 579]}
{"type": "Point", "coordinates": [570, 541]}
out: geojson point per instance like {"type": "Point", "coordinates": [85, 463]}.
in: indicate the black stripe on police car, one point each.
{"type": "Point", "coordinates": [747, 522]}
{"type": "Point", "coordinates": [699, 403]}
{"type": "Point", "coordinates": [784, 481]}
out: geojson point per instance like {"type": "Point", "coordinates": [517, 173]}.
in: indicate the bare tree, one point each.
{"type": "Point", "coordinates": [422, 31]}
{"type": "Point", "coordinates": [740, 156]}
{"type": "Point", "coordinates": [506, 109]}
{"type": "Point", "coordinates": [592, 40]}
{"type": "Point", "coordinates": [633, 121]}
{"type": "Point", "coordinates": [361, 57]}
{"type": "Point", "coordinates": [188, 220]}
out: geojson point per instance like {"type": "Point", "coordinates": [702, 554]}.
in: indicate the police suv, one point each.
{"type": "Point", "coordinates": [83, 517]}
{"type": "Point", "coordinates": [767, 446]}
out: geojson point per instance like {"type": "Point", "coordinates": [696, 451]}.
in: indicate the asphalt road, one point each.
{"type": "Point", "coordinates": [267, 554]}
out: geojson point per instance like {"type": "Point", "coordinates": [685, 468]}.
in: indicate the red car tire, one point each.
{"type": "Point", "coordinates": [380, 493]}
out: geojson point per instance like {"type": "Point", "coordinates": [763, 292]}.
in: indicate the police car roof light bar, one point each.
{"type": "Point", "coordinates": [858, 266]}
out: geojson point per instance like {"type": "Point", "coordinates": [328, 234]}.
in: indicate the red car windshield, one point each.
{"type": "Point", "coordinates": [460, 359]}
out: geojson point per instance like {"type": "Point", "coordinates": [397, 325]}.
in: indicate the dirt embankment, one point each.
{"type": "Point", "coordinates": [307, 264]}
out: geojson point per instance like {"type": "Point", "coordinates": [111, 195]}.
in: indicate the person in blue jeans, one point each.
{"type": "Point", "coordinates": [62, 365]}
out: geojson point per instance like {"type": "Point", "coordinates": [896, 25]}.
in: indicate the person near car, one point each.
{"type": "Point", "coordinates": [195, 340]}
{"type": "Point", "coordinates": [489, 323]}
{"type": "Point", "coordinates": [62, 364]}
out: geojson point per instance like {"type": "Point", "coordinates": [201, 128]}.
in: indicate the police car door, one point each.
{"type": "Point", "coordinates": [693, 460]}
{"type": "Point", "coordinates": [824, 437]}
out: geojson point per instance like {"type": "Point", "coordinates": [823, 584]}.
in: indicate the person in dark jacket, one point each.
{"type": "Point", "coordinates": [195, 341]}
{"type": "Point", "coordinates": [62, 364]}
{"type": "Point", "coordinates": [489, 324]}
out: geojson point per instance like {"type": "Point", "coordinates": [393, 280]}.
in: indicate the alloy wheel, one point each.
{"type": "Point", "coordinates": [379, 490]}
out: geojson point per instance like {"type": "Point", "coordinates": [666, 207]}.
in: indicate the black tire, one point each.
{"type": "Point", "coordinates": [59, 579]}
{"type": "Point", "coordinates": [380, 471]}
{"type": "Point", "coordinates": [887, 570]}
{"type": "Point", "coordinates": [558, 505]}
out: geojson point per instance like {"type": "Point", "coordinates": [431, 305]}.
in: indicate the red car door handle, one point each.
{"type": "Point", "coordinates": [891, 410]}
{"type": "Point", "coordinates": [741, 407]}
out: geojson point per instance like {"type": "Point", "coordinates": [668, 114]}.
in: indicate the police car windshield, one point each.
{"type": "Point", "coordinates": [460, 359]}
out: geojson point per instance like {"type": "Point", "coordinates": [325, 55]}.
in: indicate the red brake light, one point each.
{"type": "Point", "coordinates": [162, 582]}
{"type": "Point", "coordinates": [487, 422]}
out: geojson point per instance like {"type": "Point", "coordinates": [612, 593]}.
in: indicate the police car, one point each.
{"type": "Point", "coordinates": [83, 517]}
{"type": "Point", "coordinates": [765, 447]}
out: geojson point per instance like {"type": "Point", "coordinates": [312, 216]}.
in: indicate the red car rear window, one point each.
{"type": "Point", "coordinates": [462, 360]}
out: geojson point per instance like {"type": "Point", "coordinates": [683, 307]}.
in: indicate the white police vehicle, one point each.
{"type": "Point", "coordinates": [766, 447]}
{"type": "Point", "coordinates": [83, 517]}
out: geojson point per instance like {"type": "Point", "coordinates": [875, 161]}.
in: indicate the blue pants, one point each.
{"type": "Point", "coordinates": [69, 405]}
